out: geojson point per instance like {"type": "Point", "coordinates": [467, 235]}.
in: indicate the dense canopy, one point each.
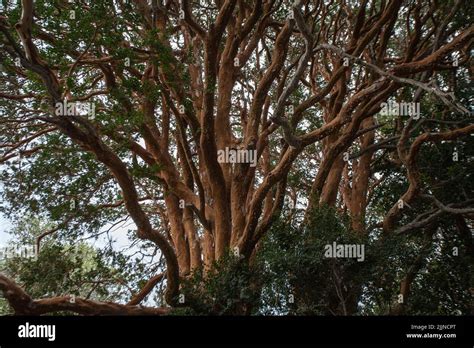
{"type": "Point", "coordinates": [237, 157]}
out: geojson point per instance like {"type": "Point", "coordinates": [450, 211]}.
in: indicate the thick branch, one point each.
{"type": "Point", "coordinates": [23, 304]}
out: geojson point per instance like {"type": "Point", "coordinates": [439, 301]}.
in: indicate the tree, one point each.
{"type": "Point", "coordinates": [203, 122]}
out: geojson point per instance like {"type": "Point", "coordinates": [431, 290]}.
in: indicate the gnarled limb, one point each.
{"type": "Point", "coordinates": [23, 304]}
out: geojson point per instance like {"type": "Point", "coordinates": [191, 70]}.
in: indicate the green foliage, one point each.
{"type": "Point", "coordinates": [65, 269]}
{"type": "Point", "coordinates": [299, 280]}
{"type": "Point", "coordinates": [46, 185]}
{"type": "Point", "coordinates": [60, 270]}
{"type": "Point", "coordinates": [294, 262]}
{"type": "Point", "coordinates": [442, 282]}
{"type": "Point", "coordinates": [230, 287]}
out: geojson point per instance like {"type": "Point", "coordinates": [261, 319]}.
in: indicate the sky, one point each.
{"type": "Point", "coordinates": [5, 225]}
{"type": "Point", "coordinates": [119, 234]}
